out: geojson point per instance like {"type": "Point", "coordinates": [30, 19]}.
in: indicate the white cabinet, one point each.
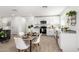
{"type": "Point", "coordinates": [36, 20]}
{"type": "Point", "coordinates": [37, 30]}
{"type": "Point", "coordinates": [68, 42]}
{"type": "Point", "coordinates": [50, 32]}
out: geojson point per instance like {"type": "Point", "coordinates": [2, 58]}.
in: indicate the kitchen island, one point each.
{"type": "Point", "coordinates": [68, 41]}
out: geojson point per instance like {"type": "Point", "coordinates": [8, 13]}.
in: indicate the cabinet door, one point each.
{"type": "Point", "coordinates": [68, 42]}
{"type": "Point", "coordinates": [50, 32]}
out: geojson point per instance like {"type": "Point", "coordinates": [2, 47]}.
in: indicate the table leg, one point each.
{"type": "Point", "coordinates": [30, 45]}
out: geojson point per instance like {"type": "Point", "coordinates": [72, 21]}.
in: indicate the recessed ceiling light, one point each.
{"type": "Point", "coordinates": [14, 10]}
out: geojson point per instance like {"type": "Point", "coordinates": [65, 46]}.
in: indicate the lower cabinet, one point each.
{"type": "Point", "coordinates": [68, 42]}
{"type": "Point", "coordinates": [50, 32]}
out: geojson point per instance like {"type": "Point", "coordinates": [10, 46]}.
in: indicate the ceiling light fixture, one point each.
{"type": "Point", "coordinates": [44, 6]}
{"type": "Point", "coordinates": [14, 12]}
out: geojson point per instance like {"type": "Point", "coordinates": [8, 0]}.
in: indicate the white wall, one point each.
{"type": "Point", "coordinates": [29, 21]}
{"type": "Point", "coordinates": [4, 21]}
{"type": "Point", "coordinates": [76, 27]}
{"type": "Point", "coordinates": [0, 22]}
{"type": "Point", "coordinates": [18, 25]}
{"type": "Point", "coordinates": [64, 17]}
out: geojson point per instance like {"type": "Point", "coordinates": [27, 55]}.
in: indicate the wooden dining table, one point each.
{"type": "Point", "coordinates": [30, 38]}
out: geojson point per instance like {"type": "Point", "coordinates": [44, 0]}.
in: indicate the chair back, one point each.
{"type": "Point", "coordinates": [38, 39]}
{"type": "Point", "coordinates": [21, 34]}
{"type": "Point", "coordinates": [20, 44]}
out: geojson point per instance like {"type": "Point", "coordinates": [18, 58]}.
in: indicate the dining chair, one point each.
{"type": "Point", "coordinates": [21, 34]}
{"type": "Point", "coordinates": [20, 44]}
{"type": "Point", "coordinates": [36, 41]}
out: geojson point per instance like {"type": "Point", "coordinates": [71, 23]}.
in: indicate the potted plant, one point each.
{"type": "Point", "coordinates": [71, 13]}
{"type": "Point", "coordinates": [2, 34]}
{"type": "Point", "coordinates": [71, 16]}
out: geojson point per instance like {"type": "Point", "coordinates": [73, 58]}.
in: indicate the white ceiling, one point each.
{"type": "Point", "coordinates": [31, 10]}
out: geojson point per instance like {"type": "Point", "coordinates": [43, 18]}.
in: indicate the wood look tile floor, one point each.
{"type": "Point", "coordinates": [47, 44]}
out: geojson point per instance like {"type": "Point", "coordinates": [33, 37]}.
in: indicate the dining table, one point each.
{"type": "Point", "coordinates": [30, 38]}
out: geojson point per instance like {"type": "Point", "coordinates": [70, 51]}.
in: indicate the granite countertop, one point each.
{"type": "Point", "coordinates": [69, 31]}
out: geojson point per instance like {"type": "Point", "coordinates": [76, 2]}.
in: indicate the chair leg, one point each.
{"type": "Point", "coordinates": [33, 46]}
{"type": "Point", "coordinates": [25, 50]}
{"type": "Point", "coordinates": [37, 47]}
{"type": "Point", "coordinates": [21, 51]}
{"type": "Point", "coordinates": [18, 50]}
{"type": "Point", "coordinates": [38, 44]}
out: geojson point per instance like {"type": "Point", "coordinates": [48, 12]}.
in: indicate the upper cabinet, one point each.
{"type": "Point", "coordinates": [50, 20]}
